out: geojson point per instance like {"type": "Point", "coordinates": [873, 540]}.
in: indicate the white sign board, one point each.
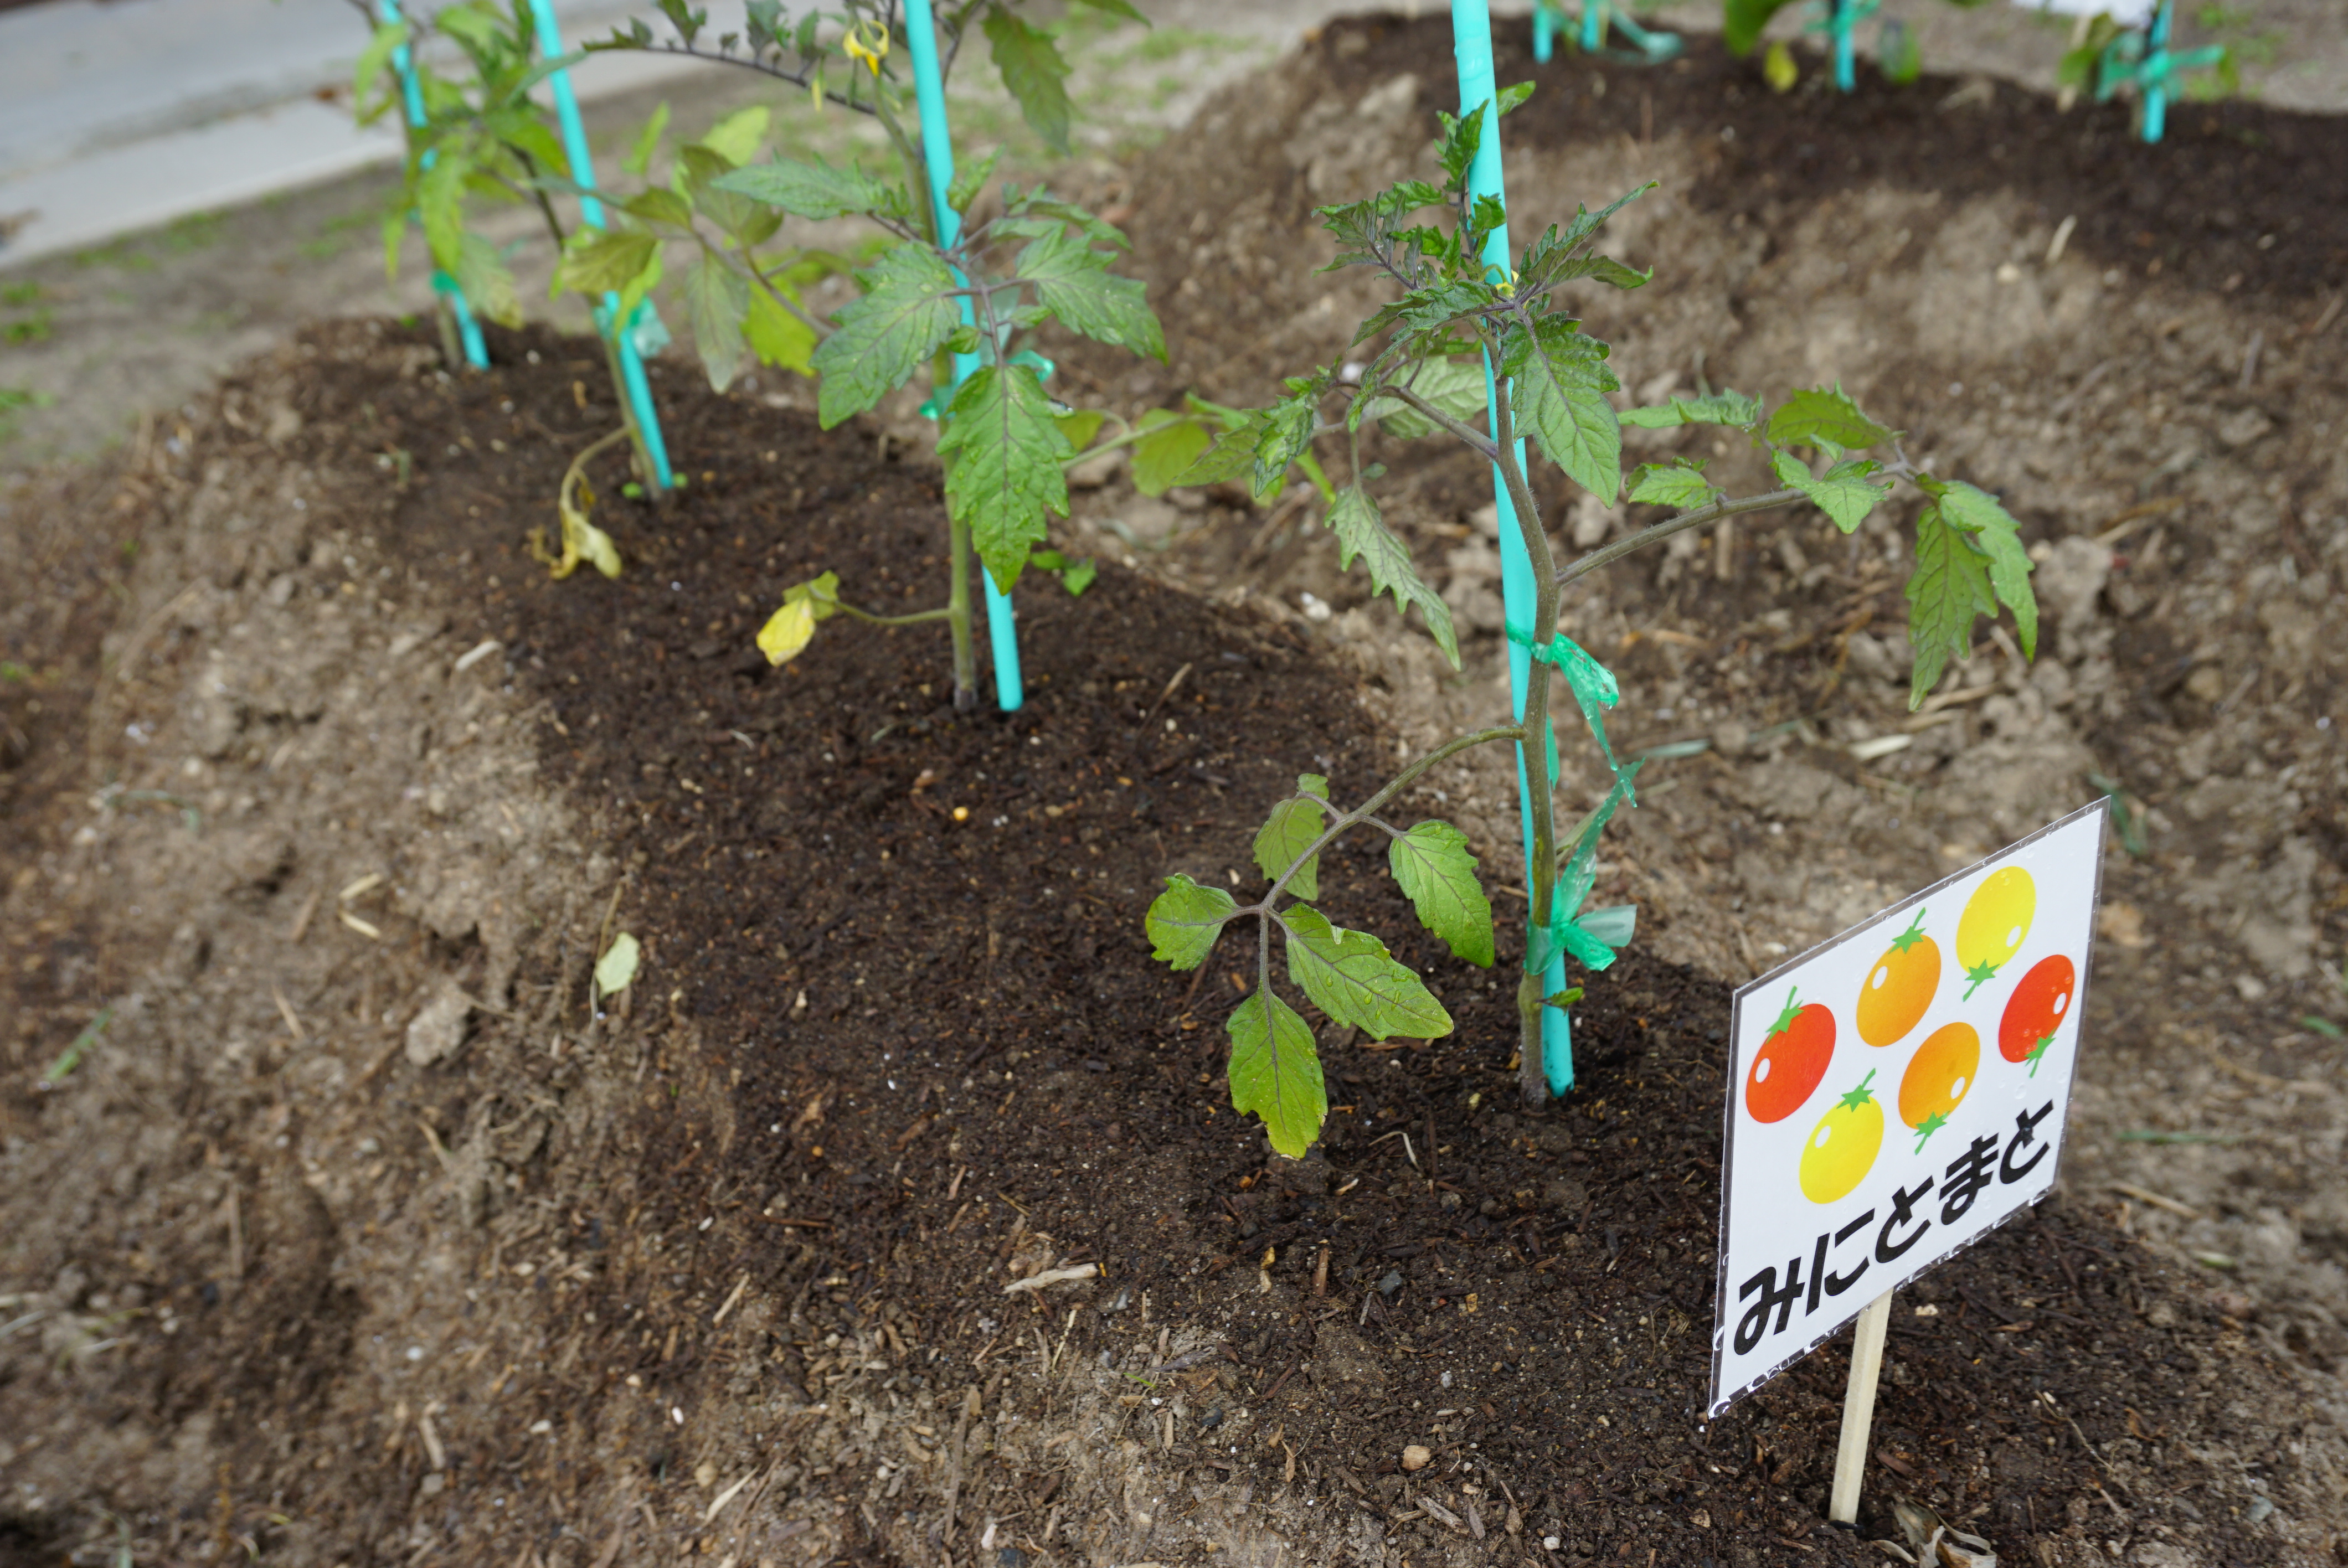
{"type": "Point", "coordinates": [1896, 1093]}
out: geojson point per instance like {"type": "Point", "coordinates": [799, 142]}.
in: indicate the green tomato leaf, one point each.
{"type": "Point", "coordinates": [440, 207]}
{"type": "Point", "coordinates": [488, 282]}
{"type": "Point", "coordinates": [1121, 9]}
{"type": "Point", "coordinates": [1742, 22]}
{"type": "Point", "coordinates": [1948, 589]}
{"type": "Point", "coordinates": [1232, 455]}
{"type": "Point", "coordinates": [1001, 452]}
{"type": "Point", "coordinates": [1351, 976]}
{"type": "Point", "coordinates": [595, 263]}
{"type": "Point", "coordinates": [1171, 448]}
{"type": "Point", "coordinates": [1292, 829]}
{"type": "Point", "coordinates": [375, 64]}
{"type": "Point", "coordinates": [735, 138]}
{"type": "Point", "coordinates": [1436, 871]}
{"type": "Point", "coordinates": [640, 157]}
{"type": "Point", "coordinates": [1560, 382]}
{"type": "Point", "coordinates": [812, 190]}
{"type": "Point", "coordinates": [698, 169]}
{"type": "Point", "coordinates": [1076, 285]}
{"type": "Point", "coordinates": [1808, 417]}
{"type": "Point", "coordinates": [1995, 534]}
{"type": "Point", "coordinates": [778, 337]}
{"type": "Point", "coordinates": [1184, 921]}
{"type": "Point", "coordinates": [971, 178]}
{"type": "Point", "coordinates": [1513, 95]}
{"type": "Point", "coordinates": [1675, 485]}
{"type": "Point", "coordinates": [1033, 72]}
{"type": "Point", "coordinates": [717, 301]}
{"type": "Point", "coordinates": [1454, 386]}
{"type": "Point", "coordinates": [1731, 408]}
{"type": "Point", "coordinates": [1287, 435]}
{"type": "Point", "coordinates": [660, 205]}
{"type": "Point", "coordinates": [884, 337]}
{"type": "Point", "coordinates": [1276, 1071]}
{"type": "Point", "coordinates": [1362, 532]}
{"type": "Point", "coordinates": [1462, 137]}
{"type": "Point", "coordinates": [1844, 494]}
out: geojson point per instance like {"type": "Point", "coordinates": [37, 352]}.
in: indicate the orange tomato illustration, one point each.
{"type": "Point", "coordinates": [1938, 1078]}
{"type": "Point", "coordinates": [1900, 987]}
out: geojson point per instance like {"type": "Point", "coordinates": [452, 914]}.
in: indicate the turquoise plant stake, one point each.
{"type": "Point", "coordinates": [1597, 18]}
{"type": "Point", "coordinates": [621, 335]}
{"type": "Point", "coordinates": [1471, 42]}
{"type": "Point", "coordinates": [2143, 59]}
{"type": "Point", "coordinates": [937, 154]}
{"type": "Point", "coordinates": [411, 97]}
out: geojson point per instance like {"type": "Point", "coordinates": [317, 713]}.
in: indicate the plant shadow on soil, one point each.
{"type": "Point", "coordinates": [897, 1042]}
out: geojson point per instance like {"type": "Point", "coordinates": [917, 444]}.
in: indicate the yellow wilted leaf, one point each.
{"type": "Point", "coordinates": [1778, 67]}
{"type": "Point", "coordinates": [787, 632]}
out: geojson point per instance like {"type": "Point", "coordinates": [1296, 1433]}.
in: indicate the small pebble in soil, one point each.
{"type": "Point", "coordinates": [1391, 1283]}
{"type": "Point", "coordinates": [1012, 1557]}
{"type": "Point", "coordinates": [1415, 1457]}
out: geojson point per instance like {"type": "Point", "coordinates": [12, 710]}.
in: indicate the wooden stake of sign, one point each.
{"type": "Point", "coordinates": [1858, 1408]}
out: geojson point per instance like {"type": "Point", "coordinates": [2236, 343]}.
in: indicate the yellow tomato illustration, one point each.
{"type": "Point", "coordinates": [1841, 1149]}
{"type": "Point", "coordinates": [1996, 919]}
{"type": "Point", "coordinates": [1900, 987]}
{"type": "Point", "coordinates": [1938, 1078]}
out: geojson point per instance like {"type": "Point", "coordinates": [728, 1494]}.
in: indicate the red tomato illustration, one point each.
{"type": "Point", "coordinates": [2039, 1005]}
{"type": "Point", "coordinates": [1792, 1061]}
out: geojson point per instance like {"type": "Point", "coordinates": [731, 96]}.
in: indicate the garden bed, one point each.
{"type": "Point", "coordinates": [539, 1284]}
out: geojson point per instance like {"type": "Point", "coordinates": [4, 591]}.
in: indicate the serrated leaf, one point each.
{"type": "Point", "coordinates": [1948, 589]}
{"type": "Point", "coordinates": [1033, 72]}
{"type": "Point", "coordinates": [1079, 576]}
{"type": "Point", "coordinates": [1362, 532]}
{"type": "Point", "coordinates": [1462, 137]}
{"type": "Point", "coordinates": [1557, 247]}
{"type": "Point", "coordinates": [778, 337]}
{"type": "Point", "coordinates": [1733, 408]}
{"type": "Point", "coordinates": [718, 302]}
{"type": "Point", "coordinates": [375, 64]}
{"type": "Point", "coordinates": [1122, 9]}
{"type": "Point", "coordinates": [1276, 1072]}
{"type": "Point", "coordinates": [1080, 426]}
{"type": "Point", "coordinates": [1822, 414]}
{"type": "Point", "coordinates": [440, 207]}
{"type": "Point", "coordinates": [698, 169]}
{"type": "Point", "coordinates": [1454, 386]}
{"type": "Point", "coordinates": [735, 138]}
{"type": "Point", "coordinates": [971, 178]}
{"type": "Point", "coordinates": [488, 282]}
{"type": "Point", "coordinates": [640, 156]}
{"type": "Point", "coordinates": [1287, 434]}
{"type": "Point", "coordinates": [601, 263]}
{"type": "Point", "coordinates": [1292, 829]}
{"type": "Point", "coordinates": [1513, 95]}
{"type": "Point", "coordinates": [811, 190]}
{"type": "Point", "coordinates": [1432, 308]}
{"type": "Point", "coordinates": [906, 311]}
{"type": "Point", "coordinates": [616, 969]}
{"type": "Point", "coordinates": [1076, 286]}
{"type": "Point", "coordinates": [1997, 536]}
{"type": "Point", "coordinates": [1671, 485]}
{"type": "Point", "coordinates": [660, 205]}
{"type": "Point", "coordinates": [1184, 921]}
{"type": "Point", "coordinates": [1844, 494]}
{"type": "Point", "coordinates": [1231, 457]}
{"type": "Point", "coordinates": [1171, 447]}
{"type": "Point", "coordinates": [1558, 380]}
{"type": "Point", "coordinates": [1004, 478]}
{"type": "Point", "coordinates": [1351, 976]}
{"type": "Point", "coordinates": [1436, 872]}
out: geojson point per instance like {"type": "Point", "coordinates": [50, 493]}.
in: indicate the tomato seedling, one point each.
{"type": "Point", "coordinates": [934, 296]}
{"type": "Point", "coordinates": [1547, 382]}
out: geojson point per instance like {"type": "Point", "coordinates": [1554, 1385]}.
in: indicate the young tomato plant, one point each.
{"type": "Point", "coordinates": [480, 134]}
{"type": "Point", "coordinates": [1452, 318]}
{"type": "Point", "coordinates": [1006, 443]}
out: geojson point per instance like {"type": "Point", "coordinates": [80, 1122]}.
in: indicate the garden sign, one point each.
{"type": "Point", "coordinates": [1893, 1095]}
